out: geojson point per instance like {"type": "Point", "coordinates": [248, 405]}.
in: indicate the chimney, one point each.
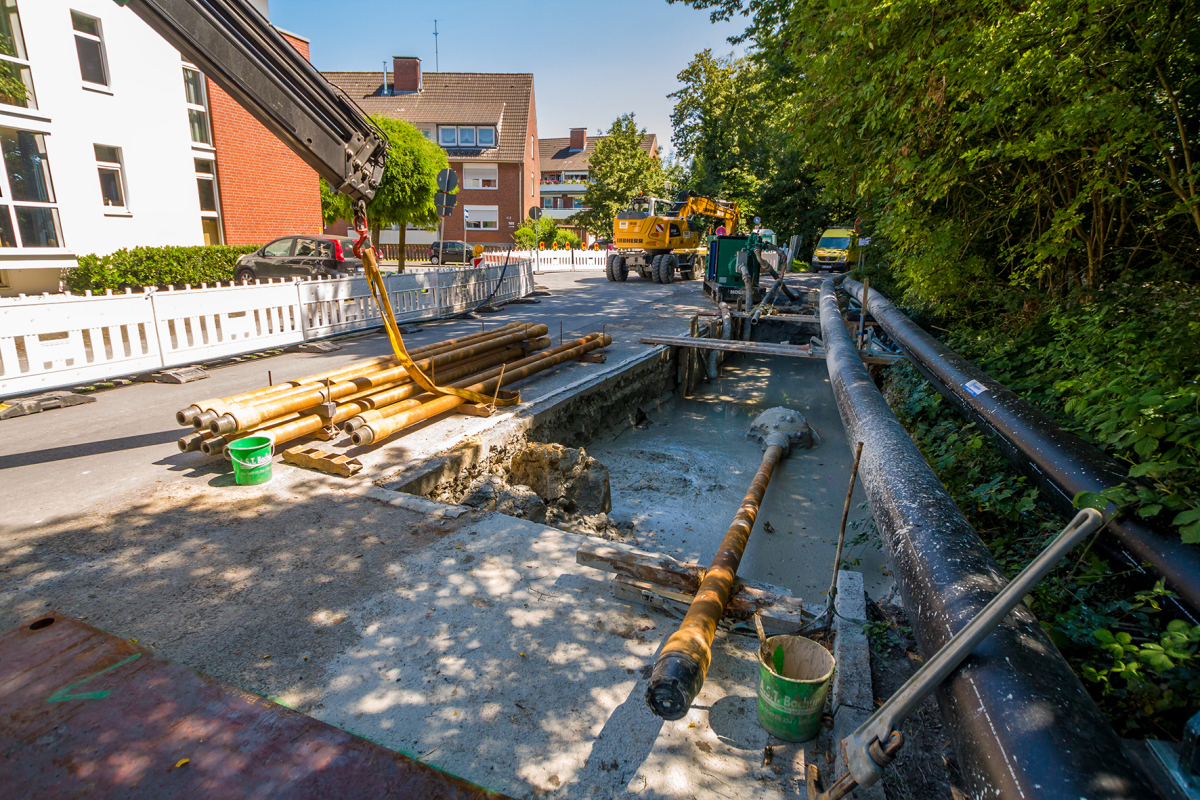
{"type": "Point", "coordinates": [406, 74]}
{"type": "Point", "coordinates": [578, 138]}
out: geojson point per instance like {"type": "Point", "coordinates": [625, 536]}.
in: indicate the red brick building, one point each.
{"type": "Point", "coordinates": [487, 123]}
{"type": "Point", "coordinates": [565, 172]}
{"type": "Point", "coordinates": [265, 190]}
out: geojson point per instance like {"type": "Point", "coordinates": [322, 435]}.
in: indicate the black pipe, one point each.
{"type": "Point", "coordinates": [1060, 463]}
{"type": "Point", "coordinates": [1021, 724]}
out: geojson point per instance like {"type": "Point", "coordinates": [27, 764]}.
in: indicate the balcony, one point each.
{"type": "Point", "coordinates": [576, 187]}
{"type": "Point", "coordinates": [559, 213]}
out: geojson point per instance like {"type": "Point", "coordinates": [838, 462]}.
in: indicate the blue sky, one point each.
{"type": "Point", "coordinates": [591, 60]}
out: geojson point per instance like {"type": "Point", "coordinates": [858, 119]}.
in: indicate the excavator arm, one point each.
{"type": "Point", "coordinates": [242, 53]}
{"type": "Point", "coordinates": [707, 206]}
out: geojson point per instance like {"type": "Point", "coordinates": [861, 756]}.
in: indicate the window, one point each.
{"type": "Point", "coordinates": [482, 218]}
{"type": "Point", "coordinates": [466, 137]}
{"type": "Point", "coordinates": [547, 202]}
{"type": "Point", "coordinates": [487, 137]}
{"type": "Point", "coordinates": [89, 44]}
{"type": "Point", "coordinates": [447, 137]}
{"type": "Point", "coordinates": [197, 103]}
{"type": "Point", "coordinates": [112, 182]}
{"type": "Point", "coordinates": [29, 189]}
{"type": "Point", "coordinates": [16, 80]}
{"type": "Point", "coordinates": [480, 176]}
{"type": "Point", "coordinates": [575, 177]}
{"type": "Point", "coordinates": [210, 210]}
{"type": "Point", "coordinates": [278, 249]}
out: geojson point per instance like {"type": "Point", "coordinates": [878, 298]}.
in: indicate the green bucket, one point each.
{"type": "Point", "coordinates": [793, 682]}
{"type": "Point", "coordinates": [251, 457]}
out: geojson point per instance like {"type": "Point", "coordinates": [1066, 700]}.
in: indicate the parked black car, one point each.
{"type": "Point", "coordinates": [449, 253]}
{"type": "Point", "coordinates": [300, 257]}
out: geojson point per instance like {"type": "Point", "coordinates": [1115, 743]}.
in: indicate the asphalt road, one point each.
{"type": "Point", "coordinates": [67, 462]}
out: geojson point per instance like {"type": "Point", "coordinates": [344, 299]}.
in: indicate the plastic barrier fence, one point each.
{"type": "Point", "coordinates": [50, 341]}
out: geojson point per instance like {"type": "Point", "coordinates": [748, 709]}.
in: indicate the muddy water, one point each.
{"type": "Point", "coordinates": [680, 477]}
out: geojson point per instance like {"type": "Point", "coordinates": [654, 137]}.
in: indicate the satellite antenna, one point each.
{"type": "Point", "coordinates": [437, 66]}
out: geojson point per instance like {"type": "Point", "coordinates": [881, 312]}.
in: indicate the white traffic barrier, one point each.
{"type": "Point", "coordinates": [52, 341]}
{"type": "Point", "coordinates": [201, 324]}
{"type": "Point", "coordinates": [554, 260]}
{"type": "Point", "coordinates": [45, 339]}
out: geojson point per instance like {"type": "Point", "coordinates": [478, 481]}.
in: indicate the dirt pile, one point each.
{"type": "Point", "coordinates": [559, 486]}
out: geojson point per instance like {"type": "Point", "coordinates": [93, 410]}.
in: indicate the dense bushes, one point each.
{"type": "Point", "coordinates": [154, 266]}
{"type": "Point", "coordinates": [1119, 369]}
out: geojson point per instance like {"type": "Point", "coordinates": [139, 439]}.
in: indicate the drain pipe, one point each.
{"type": "Point", "coordinates": [1021, 724]}
{"type": "Point", "coordinates": [1060, 463]}
{"type": "Point", "coordinates": [726, 332]}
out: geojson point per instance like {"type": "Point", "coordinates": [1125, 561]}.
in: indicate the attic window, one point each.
{"type": "Point", "coordinates": [487, 137]}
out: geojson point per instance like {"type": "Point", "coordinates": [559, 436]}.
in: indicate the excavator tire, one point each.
{"type": "Point", "coordinates": [608, 268]}
{"type": "Point", "coordinates": [666, 269]}
{"type": "Point", "coordinates": [620, 268]}
{"type": "Point", "coordinates": [654, 273]}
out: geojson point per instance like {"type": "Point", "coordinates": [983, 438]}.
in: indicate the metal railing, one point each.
{"type": "Point", "coordinates": [50, 341]}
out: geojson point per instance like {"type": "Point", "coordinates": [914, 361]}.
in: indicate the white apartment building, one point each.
{"type": "Point", "coordinates": [104, 137]}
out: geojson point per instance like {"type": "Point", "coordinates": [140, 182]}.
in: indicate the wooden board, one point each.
{"type": "Point", "coordinates": [317, 459]}
{"type": "Point", "coordinates": [762, 348]}
{"type": "Point", "coordinates": [660, 581]}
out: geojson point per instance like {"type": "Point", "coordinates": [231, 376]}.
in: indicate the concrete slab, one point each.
{"type": "Point", "coordinates": [405, 627]}
{"type": "Point", "coordinates": [501, 660]}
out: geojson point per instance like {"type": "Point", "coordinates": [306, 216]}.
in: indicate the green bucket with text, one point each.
{"type": "Point", "coordinates": [793, 682]}
{"type": "Point", "coordinates": [251, 457]}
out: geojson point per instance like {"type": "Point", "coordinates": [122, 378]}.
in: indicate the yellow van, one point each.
{"type": "Point", "coordinates": [837, 251]}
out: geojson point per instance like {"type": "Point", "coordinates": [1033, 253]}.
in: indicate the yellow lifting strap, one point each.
{"type": "Point", "coordinates": [379, 292]}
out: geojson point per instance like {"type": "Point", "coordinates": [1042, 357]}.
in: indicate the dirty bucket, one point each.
{"type": "Point", "coordinates": [251, 457]}
{"type": "Point", "coordinates": [793, 682]}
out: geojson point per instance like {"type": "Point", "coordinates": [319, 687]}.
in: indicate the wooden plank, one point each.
{"type": "Point", "coordinates": [313, 458]}
{"type": "Point", "coordinates": [652, 567]}
{"type": "Point", "coordinates": [677, 581]}
{"type": "Point", "coordinates": [762, 348]}
{"type": "Point", "coordinates": [777, 618]}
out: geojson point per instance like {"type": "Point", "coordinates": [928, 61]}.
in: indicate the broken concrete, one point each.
{"type": "Point", "coordinates": [493, 493]}
{"type": "Point", "coordinates": [563, 476]}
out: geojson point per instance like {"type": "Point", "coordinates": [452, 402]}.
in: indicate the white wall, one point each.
{"type": "Point", "coordinates": [143, 113]}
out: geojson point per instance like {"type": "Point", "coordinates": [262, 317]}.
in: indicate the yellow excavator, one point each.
{"type": "Point", "coordinates": [658, 244]}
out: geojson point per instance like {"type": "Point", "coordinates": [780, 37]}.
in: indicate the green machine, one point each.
{"type": "Point", "coordinates": [726, 254]}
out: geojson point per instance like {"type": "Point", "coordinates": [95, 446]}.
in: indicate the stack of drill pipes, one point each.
{"type": "Point", "coordinates": [381, 429]}
{"type": "Point", "coordinates": [307, 418]}
{"type": "Point", "coordinates": [202, 412]}
{"type": "Point", "coordinates": [304, 424]}
{"type": "Point", "coordinates": [251, 415]}
{"type": "Point", "coordinates": [377, 372]}
{"type": "Point", "coordinates": [373, 368]}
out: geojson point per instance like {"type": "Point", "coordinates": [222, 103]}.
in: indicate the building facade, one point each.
{"type": "Point", "coordinates": [110, 140]}
{"type": "Point", "coordinates": [487, 123]}
{"type": "Point", "coordinates": [565, 173]}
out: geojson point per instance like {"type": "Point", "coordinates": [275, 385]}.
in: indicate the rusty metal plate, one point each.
{"type": "Point", "coordinates": [85, 714]}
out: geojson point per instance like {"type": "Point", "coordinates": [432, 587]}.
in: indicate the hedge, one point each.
{"type": "Point", "coordinates": [155, 266]}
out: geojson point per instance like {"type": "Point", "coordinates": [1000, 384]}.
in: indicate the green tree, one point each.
{"type": "Point", "coordinates": [546, 231]}
{"type": "Point", "coordinates": [1049, 148]}
{"type": "Point", "coordinates": [406, 190]}
{"type": "Point", "coordinates": [620, 170]}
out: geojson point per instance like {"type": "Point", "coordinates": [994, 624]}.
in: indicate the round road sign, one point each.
{"type": "Point", "coordinates": [535, 213]}
{"type": "Point", "coordinates": [447, 180]}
